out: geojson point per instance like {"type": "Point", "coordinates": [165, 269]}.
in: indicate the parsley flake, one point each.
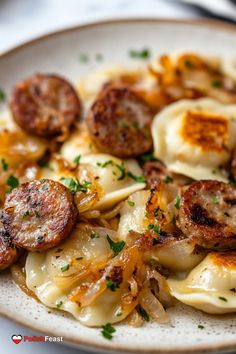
{"type": "Point", "coordinates": [222, 298]}
{"type": "Point", "coordinates": [107, 331]}
{"type": "Point", "coordinates": [200, 327]}
{"type": "Point", "coordinates": [4, 165]}
{"type": "Point", "coordinates": [94, 235]}
{"type": "Point", "coordinates": [216, 83]}
{"type": "Point", "coordinates": [65, 268]}
{"type": "Point", "coordinates": [139, 179]}
{"type": "Point", "coordinates": [12, 182]}
{"type": "Point", "coordinates": [116, 247]}
{"type": "Point", "coordinates": [131, 203]}
{"type": "Point", "coordinates": [168, 179]}
{"type": "Point", "coordinates": [2, 95]}
{"type": "Point", "coordinates": [111, 284]}
{"type": "Point", "coordinates": [140, 54]}
{"type": "Point", "coordinates": [77, 159]}
{"type": "Point", "coordinates": [216, 199]}
{"type": "Point", "coordinates": [74, 185]}
{"type": "Point", "coordinates": [177, 202]}
{"type": "Point", "coordinates": [59, 304]}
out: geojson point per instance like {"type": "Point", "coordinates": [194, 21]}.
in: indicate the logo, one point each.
{"type": "Point", "coordinates": [16, 338]}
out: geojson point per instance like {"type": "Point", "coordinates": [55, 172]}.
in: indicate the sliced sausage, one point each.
{"type": "Point", "coordinates": [207, 214]}
{"type": "Point", "coordinates": [119, 122]}
{"type": "Point", "coordinates": [8, 252]}
{"type": "Point", "coordinates": [45, 105]}
{"type": "Point", "coordinates": [38, 215]}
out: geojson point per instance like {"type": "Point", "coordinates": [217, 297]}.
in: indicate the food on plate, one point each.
{"type": "Point", "coordinates": [38, 215]}
{"type": "Point", "coordinates": [114, 211]}
{"type": "Point", "coordinates": [120, 122]}
{"type": "Point", "coordinates": [45, 105]}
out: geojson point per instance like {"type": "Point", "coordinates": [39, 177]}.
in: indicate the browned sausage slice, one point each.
{"type": "Point", "coordinates": [38, 215]}
{"type": "Point", "coordinates": [208, 214]}
{"type": "Point", "coordinates": [119, 122]}
{"type": "Point", "coordinates": [8, 252]}
{"type": "Point", "coordinates": [45, 105]}
{"type": "Point", "coordinates": [233, 165]}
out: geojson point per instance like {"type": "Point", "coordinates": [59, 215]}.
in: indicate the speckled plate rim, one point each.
{"type": "Point", "coordinates": [91, 345]}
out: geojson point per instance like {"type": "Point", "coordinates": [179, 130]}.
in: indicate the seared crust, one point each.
{"type": "Point", "coordinates": [8, 252]}
{"type": "Point", "coordinates": [45, 105]}
{"type": "Point", "coordinates": [119, 122]}
{"type": "Point", "coordinates": [38, 215]}
{"type": "Point", "coordinates": [208, 214]}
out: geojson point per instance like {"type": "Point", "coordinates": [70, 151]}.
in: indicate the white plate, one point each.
{"type": "Point", "coordinates": [59, 53]}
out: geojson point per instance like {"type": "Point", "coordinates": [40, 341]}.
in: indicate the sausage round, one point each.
{"type": "Point", "coordinates": [207, 214]}
{"type": "Point", "coordinates": [119, 122]}
{"type": "Point", "coordinates": [45, 105]}
{"type": "Point", "coordinates": [38, 215]}
{"type": "Point", "coordinates": [8, 252]}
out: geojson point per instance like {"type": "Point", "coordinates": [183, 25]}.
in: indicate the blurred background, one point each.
{"type": "Point", "coordinates": [21, 20]}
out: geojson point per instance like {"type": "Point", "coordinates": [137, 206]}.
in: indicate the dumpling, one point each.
{"type": "Point", "coordinates": [195, 137]}
{"type": "Point", "coordinates": [17, 146]}
{"type": "Point", "coordinates": [211, 286]}
{"type": "Point", "coordinates": [72, 277]}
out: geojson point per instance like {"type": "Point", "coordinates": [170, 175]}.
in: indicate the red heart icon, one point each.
{"type": "Point", "coordinates": [16, 338]}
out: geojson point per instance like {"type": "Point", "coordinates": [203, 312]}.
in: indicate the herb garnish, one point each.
{"type": "Point", "coordinates": [143, 313]}
{"type": "Point", "coordinates": [139, 179]}
{"type": "Point", "coordinates": [2, 95]}
{"type": "Point", "coordinates": [74, 185]}
{"type": "Point", "coordinates": [216, 83]}
{"type": "Point", "coordinates": [216, 199]}
{"type": "Point", "coordinates": [25, 214]}
{"type": "Point", "coordinates": [147, 157]}
{"type": "Point", "coordinates": [122, 171]}
{"type": "Point", "coordinates": [59, 304]}
{"type": "Point", "coordinates": [83, 58]}
{"type": "Point", "coordinates": [131, 203]}
{"type": "Point", "coordinates": [77, 159]}
{"type": "Point", "coordinates": [140, 54]}
{"type": "Point", "coordinates": [12, 182]}
{"type": "Point", "coordinates": [200, 327]}
{"type": "Point", "coordinates": [111, 284]}
{"type": "Point", "coordinates": [168, 179]}
{"type": "Point", "coordinates": [222, 298]}
{"type": "Point", "coordinates": [65, 268]}
{"type": "Point", "coordinates": [107, 331]}
{"type": "Point", "coordinates": [94, 235]}
{"type": "Point", "coordinates": [155, 228]}
{"type": "Point", "coordinates": [188, 64]}
{"type": "Point", "coordinates": [79, 258]}
{"type": "Point", "coordinates": [4, 165]}
{"type": "Point", "coordinates": [177, 202]}
{"type": "Point", "coordinates": [105, 164]}
{"type": "Point", "coordinates": [116, 246]}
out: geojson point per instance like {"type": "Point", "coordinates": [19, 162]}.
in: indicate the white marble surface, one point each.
{"type": "Point", "coordinates": [21, 20]}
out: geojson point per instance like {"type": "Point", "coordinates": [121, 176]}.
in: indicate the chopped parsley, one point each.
{"type": "Point", "coordinates": [147, 157]}
{"type": "Point", "coordinates": [200, 327]}
{"type": "Point", "coordinates": [2, 95]}
{"type": "Point", "coordinates": [177, 202]}
{"type": "Point", "coordinates": [216, 199]}
{"type": "Point", "coordinates": [216, 83]}
{"type": "Point", "coordinates": [131, 203]}
{"type": "Point", "coordinates": [188, 64]}
{"type": "Point", "coordinates": [77, 159]}
{"type": "Point", "coordinates": [65, 268]}
{"type": "Point", "coordinates": [12, 182]}
{"type": "Point", "coordinates": [105, 164]}
{"type": "Point", "coordinates": [94, 235]}
{"type": "Point", "coordinates": [59, 304]}
{"type": "Point", "coordinates": [107, 331]}
{"type": "Point", "coordinates": [4, 165]}
{"type": "Point", "coordinates": [155, 228]}
{"type": "Point", "coordinates": [43, 180]}
{"type": "Point", "coordinates": [139, 179]}
{"type": "Point", "coordinates": [222, 298]}
{"type": "Point", "coordinates": [168, 179]}
{"type": "Point", "coordinates": [136, 125]}
{"type": "Point", "coordinates": [79, 258]}
{"type": "Point", "coordinates": [121, 168]}
{"type": "Point", "coordinates": [140, 54]}
{"type": "Point", "coordinates": [116, 247]}
{"type": "Point", "coordinates": [111, 284]}
{"type": "Point", "coordinates": [143, 313]}
{"type": "Point", "coordinates": [119, 314]}
{"type": "Point", "coordinates": [83, 58]}
{"type": "Point", "coordinates": [74, 185]}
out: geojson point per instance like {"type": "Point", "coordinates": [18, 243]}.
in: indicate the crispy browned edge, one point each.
{"type": "Point", "coordinates": [111, 346]}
